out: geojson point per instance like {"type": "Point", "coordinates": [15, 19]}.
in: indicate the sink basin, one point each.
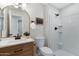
{"type": "Point", "coordinates": [3, 42]}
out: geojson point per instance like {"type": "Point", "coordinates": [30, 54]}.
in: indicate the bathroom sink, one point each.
{"type": "Point", "coordinates": [7, 41]}
{"type": "Point", "coordinates": [4, 42]}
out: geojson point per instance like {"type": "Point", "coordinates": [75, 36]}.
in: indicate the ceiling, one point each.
{"type": "Point", "coordinates": [60, 5]}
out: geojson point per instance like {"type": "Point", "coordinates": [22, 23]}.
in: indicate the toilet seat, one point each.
{"type": "Point", "coordinates": [46, 51]}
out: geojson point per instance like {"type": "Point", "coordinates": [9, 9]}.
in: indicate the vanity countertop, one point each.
{"type": "Point", "coordinates": [5, 42]}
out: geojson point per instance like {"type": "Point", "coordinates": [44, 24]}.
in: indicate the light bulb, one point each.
{"type": "Point", "coordinates": [33, 25]}
{"type": "Point", "coordinates": [24, 6]}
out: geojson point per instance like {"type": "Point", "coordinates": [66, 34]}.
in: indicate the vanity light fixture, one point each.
{"type": "Point", "coordinates": [33, 25]}
{"type": "Point", "coordinates": [20, 5]}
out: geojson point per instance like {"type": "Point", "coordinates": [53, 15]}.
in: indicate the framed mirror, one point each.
{"type": "Point", "coordinates": [19, 22]}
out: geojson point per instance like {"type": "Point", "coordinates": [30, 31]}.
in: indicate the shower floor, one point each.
{"type": "Point", "coordinates": [63, 53]}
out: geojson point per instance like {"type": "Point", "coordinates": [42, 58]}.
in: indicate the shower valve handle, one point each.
{"type": "Point", "coordinates": [55, 28]}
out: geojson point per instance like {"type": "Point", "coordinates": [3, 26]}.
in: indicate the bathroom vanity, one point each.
{"type": "Point", "coordinates": [21, 47]}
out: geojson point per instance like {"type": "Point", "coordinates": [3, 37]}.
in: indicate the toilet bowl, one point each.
{"type": "Point", "coordinates": [44, 51]}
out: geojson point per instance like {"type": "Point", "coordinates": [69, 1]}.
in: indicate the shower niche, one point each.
{"type": "Point", "coordinates": [39, 21]}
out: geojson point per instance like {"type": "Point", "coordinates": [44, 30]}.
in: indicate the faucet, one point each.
{"type": "Point", "coordinates": [18, 37]}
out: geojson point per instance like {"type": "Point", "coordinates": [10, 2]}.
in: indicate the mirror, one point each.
{"type": "Point", "coordinates": [19, 21]}
{"type": "Point", "coordinates": [1, 25]}
{"type": "Point", "coordinates": [16, 25]}
{"type": "Point", "coordinates": [20, 26]}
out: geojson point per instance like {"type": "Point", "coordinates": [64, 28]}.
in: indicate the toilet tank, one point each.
{"type": "Point", "coordinates": [40, 41]}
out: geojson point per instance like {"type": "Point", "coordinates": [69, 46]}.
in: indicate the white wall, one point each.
{"type": "Point", "coordinates": [70, 10]}
{"type": "Point", "coordinates": [70, 37]}
{"type": "Point", "coordinates": [36, 10]}
{"type": "Point", "coordinates": [70, 20]}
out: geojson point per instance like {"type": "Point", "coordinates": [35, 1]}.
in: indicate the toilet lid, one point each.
{"type": "Point", "coordinates": [46, 50]}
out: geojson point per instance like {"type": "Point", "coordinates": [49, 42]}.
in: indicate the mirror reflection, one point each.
{"type": "Point", "coordinates": [1, 25]}
{"type": "Point", "coordinates": [16, 25]}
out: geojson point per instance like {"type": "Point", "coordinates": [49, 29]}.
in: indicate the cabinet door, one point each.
{"type": "Point", "coordinates": [18, 50]}
{"type": "Point", "coordinates": [28, 49]}
{"type": "Point", "coordinates": [27, 53]}
{"type": "Point", "coordinates": [6, 51]}
{"type": "Point", "coordinates": [11, 50]}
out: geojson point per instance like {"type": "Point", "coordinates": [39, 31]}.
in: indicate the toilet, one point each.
{"type": "Point", "coordinates": [42, 50]}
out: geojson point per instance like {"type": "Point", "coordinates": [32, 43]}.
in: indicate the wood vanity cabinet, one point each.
{"type": "Point", "coordinates": [26, 49]}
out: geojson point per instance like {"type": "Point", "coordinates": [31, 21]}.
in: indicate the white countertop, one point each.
{"type": "Point", "coordinates": [5, 42]}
